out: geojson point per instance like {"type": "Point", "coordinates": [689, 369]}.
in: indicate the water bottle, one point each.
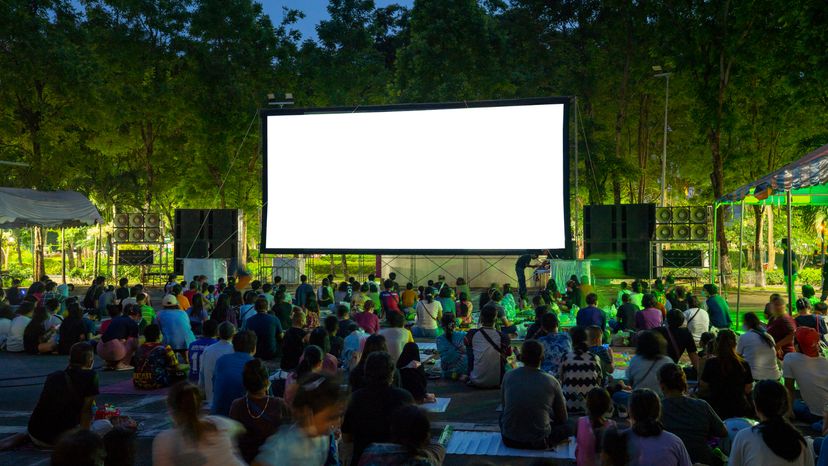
{"type": "Point", "coordinates": [445, 436]}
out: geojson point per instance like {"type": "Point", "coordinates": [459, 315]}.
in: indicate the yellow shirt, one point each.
{"type": "Point", "coordinates": [409, 298]}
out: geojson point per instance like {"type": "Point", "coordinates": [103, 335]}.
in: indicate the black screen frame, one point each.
{"type": "Point", "coordinates": [564, 253]}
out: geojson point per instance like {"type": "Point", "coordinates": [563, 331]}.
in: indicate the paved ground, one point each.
{"type": "Point", "coordinates": [21, 378]}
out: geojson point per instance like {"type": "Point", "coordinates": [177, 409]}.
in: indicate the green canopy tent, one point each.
{"type": "Point", "coordinates": [803, 182]}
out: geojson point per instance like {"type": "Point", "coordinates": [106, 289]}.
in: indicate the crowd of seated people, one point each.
{"type": "Point", "coordinates": [272, 366]}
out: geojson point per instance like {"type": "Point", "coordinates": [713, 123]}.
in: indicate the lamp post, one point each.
{"type": "Point", "coordinates": [666, 77]}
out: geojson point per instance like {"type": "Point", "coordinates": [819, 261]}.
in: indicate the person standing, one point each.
{"type": "Point", "coordinates": [303, 292]}
{"type": "Point", "coordinates": [534, 411]}
{"type": "Point", "coordinates": [175, 325]}
{"type": "Point", "coordinates": [196, 349]}
{"type": "Point", "coordinates": [523, 262]}
{"type": "Point", "coordinates": [268, 330]}
{"type": "Point", "coordinates": [790, 268]}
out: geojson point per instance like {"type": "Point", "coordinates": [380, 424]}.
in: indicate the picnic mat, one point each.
{"type": "Point", "coordinates": [491, 444]}
{"type": "Point", "coordinates": [125, 387]}
{"type": "Point", "coordinates": [439, 406]}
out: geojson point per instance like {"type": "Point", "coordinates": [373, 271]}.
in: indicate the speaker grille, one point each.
{"type": "Point", "coordinates": [121, 235]}
{"type": "Point", "coordinates": [664, 215]}
{"type": "Point", "coordinates": [121, 220]}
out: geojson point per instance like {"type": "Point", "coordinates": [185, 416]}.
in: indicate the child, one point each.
{"type": "Point", "coordinates": [621, 293]}
{"type": "Point", "coordinates": [604, 353]}
{"type": "Point", "coordinates": [591, 427]}
{"type": "Point", "coordinates": [156, 366]}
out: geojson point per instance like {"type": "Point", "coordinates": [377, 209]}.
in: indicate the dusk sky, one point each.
{"type": "Point", "coordinates": [315, 11]}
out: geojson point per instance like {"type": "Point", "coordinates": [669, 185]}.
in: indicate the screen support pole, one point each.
{"type": "Point", "coordinates": [578, 238]}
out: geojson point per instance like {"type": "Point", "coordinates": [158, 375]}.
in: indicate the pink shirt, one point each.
{"type": "Point", "coordinates": [368, 321]}
{"type": "Point", "coordinates": [585, 453]}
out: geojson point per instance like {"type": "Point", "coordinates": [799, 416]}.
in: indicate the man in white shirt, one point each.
{"type": "Point", "coordinates": [14, 344]}
{"type": "Point", "coordinates": [697, 319]}
{"type": "Point", "coordinates": [487, 350]}
{"type": "Point", "coordinates": [809, 370]}
{"type": "Point", "coordinates": [210, 356]}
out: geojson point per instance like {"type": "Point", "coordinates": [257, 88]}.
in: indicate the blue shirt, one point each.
{"type": "Point", "coordinates": [591, 315]}
{"type": "Point", "coordinates": [195, 351]}
{"type": "Point", "coordinates": [175, 326]}
{"type": "Point", "coordinates": [302, 292]}
{"type": "Point", "coordinates": [227, 381]}
{"type": "Point", "coordinates": [266, 327]}
{"type": "Point", "coordinates": [555, 347]}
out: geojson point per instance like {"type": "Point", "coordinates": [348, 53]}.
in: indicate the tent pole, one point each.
{"type": "Point", "coordinates": [63, 253]}
{"type": "Point", "coordinates": [789, 262]}
{"type": "Point", "coordinates": [713, 246]}
{"type": "Point", "coordinates": [578, 236]}
{"type": "Point", "coordinates": [739, 273]}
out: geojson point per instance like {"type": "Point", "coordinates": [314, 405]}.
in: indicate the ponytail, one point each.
{"type": "Point", "coordinates": [755, 326]}
{"type": "Point", "coordinates": [310, 358]}
{"type": "Point", "coordinates": [448, 324]}
{"type": "Point", "coordinates": [185, 401]}
{"type": "Point", "coordinates": [783, 439]}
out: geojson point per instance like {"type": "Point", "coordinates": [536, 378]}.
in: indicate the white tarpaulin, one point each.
{"type": "Point", "coordinates": [53, 209]}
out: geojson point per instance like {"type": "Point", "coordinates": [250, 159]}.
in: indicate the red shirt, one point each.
{"type": "Point", "coordinates": [368, 321]}
{"type": "Point", "coordinates": [189, 295]}
{"type": "Point", "coordinates": [390, 301]}
{"type": "Point", "coordinates": [779, 328]}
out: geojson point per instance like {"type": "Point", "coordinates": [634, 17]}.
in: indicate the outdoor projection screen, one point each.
{"type": "Point", "coordinates": [460, 178]}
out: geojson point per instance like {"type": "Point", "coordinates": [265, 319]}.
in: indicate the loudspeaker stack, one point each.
{"type": "Point", "coordinates": [203, 233]}
{"type": "Point", "coordinates": [137, 228]}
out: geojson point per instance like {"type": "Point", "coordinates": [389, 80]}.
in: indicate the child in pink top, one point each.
{"type": "Point", "coordinates": [590, 427]}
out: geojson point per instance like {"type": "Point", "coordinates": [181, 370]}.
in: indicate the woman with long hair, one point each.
{"type": "Point", "coordinates": [781, 326]}
{"type": "Point", "coordinates": [649, 443]}
{"type": "Point", "coordinates": [774, 441]}
{"type": "Point", "coordinates": [373, 344]}
{"type": "Point", "coordinates": [36, 338]}
{"type": "Point", "coordinates": [758, 348]}
{"type": "Point", "coordinates": [691, 419]}
{"type": "Point", "coordinates": [429, 313]}
{"type": "Point", "coordinates": [73, 329]}
{"type": "Point", "coordinates": [444, 297]}
{"type": "Point", "coordinates": [197, 314]}
{"type": "Point", "coordinates": [221, 308]}
{"type": "Point", "coordinates": [412, 374]}
{"type": "Point", "coordinates": [195, 439]}
{"type": "Point", "coordinates": [312, 314]}
{"type": "Point", "coordinates": [464, 308]}
{"type": "Point", "coordinates": [452, 349]}
{"type": "Point", "coordinates": [726, 381]}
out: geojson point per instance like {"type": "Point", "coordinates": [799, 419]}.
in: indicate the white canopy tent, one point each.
{"type": "Point", "coordinates": [22, 208]}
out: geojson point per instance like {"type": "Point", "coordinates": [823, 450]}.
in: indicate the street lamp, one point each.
{"type": "Point", "coordinates": [666, 76]}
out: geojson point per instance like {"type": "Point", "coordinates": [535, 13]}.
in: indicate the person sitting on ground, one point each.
{"type": "Point", "coordinates": [774, 441]}
{"type": "Point", "coordinates": [175, 326]}
{"type": "Point", "coordinates": [390, 299]}
{"type": "Point", "coordinates": [79, 448]}
{"type": "Point", "coordinates": [613, 446]}
{"type": "Point", "coordinates": [282, 309]}
{"type": "Point", "coordinates": [6, 317]}
{"type": "Point", "coordinates": [650, 317]}
{"type": "Point", "coordinates": [726, 380]}
{"type": "Point", "coordinates": [317, 410]}
{"type": "Point", "coordinates": [357, 379]}
{"type": "Point", "coordinates": [758, 349]}
{"type": "Point", "coordinates": [227, 377]}
{"type": "Point", "coordinates": [698, 321]}
{"type": "Point", "coordinates": [693, 420]}
{"type": "Point", "coordinates": [64, 403]}
{"type": "Point", "coordinates": [343, 314]}
{"type": "Point", "coordinates": [625, 315]}
{"type": "Point", "coordinates": [17, 330]}
{"type": "Point", "coordinates": [268, 330]}
{"type": "Point", "coordinates": [678, 299]}
{"type": "Point", "coordinates": [805, 318]}
{"type": "Point", "coordinates": [623, 289]}
{"type": "Point", "coordinates": [195, 439]}
{"type": "Point", "coordinates": [196, 349]}
{"type": "Point", "coordinates": [311, 361]}
{"type": "Point", "coordinates": [809, 293]}
{"type": "Point", "coordinates": [325, 294]}
{"type": "Point", "coordinates": [352, 347]}
{"type": "Point", "coordinates": [412, 374]}
{"type": "Point", "coordinates": [464, 308]}
{"type": "Point", "coordinates": [453, 362]}
{"type": "Point", "coordinates": [197, 313]}
{"type": "Point", "coordinates": [534, 413]}
{"type": "Point", "coordinates": [294, 341]}
{"type": "Point", "coordinates": [148, 315]}
{"type": "Point", "coordinates": [248, 309]}
{"type": "Point", "coordinates": [73, 329]}
{"type": "Point", "coordinates": [13, 293]}
{"type": "Point", "coordinates": [555, 344]}
{"type": "Point", "coordinates": [260, 414]}
{"type": "Point", "coordinates": [183, 302]}
{"type": "Point", "coordinates": [156, 365]}
{"type": "Point", "coordinates": [781, 326]}
{"type": "Point", "coordinates": [679, 339]}
{"type": "Point", "coordinates": [192, 290]}
{"type": "Point", "coordinates": [447, 304]}
{"type": "Point", "coordinates": [505, 324]}
{"type": "Point", "coordinates": [809, 370]}
{"type": "Point", "coordinates": [368, 416]}
{"type": "Point", "coordinates": [408, 299]}
{"type": "Point", "coordinates": [331, 326]}
{"type": "Point", "coordinates": [119, 341]}
{"type": "Point", "coordinates": [320, 338]}
{"type": "Point", "coordinates": [360, 297]}
{"type": "Point", "coordinates": [429, 313]}
{"type": "Point", "coordinates": [54, 317]}
{"type": "Point", "coordinates": [396, 335]}
{"type": "Point", "coordinates": [207, 365]}
{"type": "Point", "coordinates": [642, 370]}
{"type": "Point", "coordinates": [267, 294]}
{"type": "Point", "coordinates": [535, 330]}
{"type": "Point", "coordinates": [367, 319]}
{"type": "Point", "coordinates": [36, 338]}
{"type": "Point", "coordinates": [410, 442]}
{"type": "Point", "coordinates": [487, 351]}
{"type": "Point", "coordinates": [590, 428]}
{"type": "Point", "coordinates": [580, 371]}
{"type": "Point", "coordinates": [591, 314]}
{"type": "Point", "coordinates": [649, 443]}
{"type": "Point", "coordinates": [717, 307]}
{"type": "Point", "coordinates": [603, 352]}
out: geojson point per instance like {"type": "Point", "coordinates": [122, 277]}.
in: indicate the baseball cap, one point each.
{"type": "Point", "coordinates": [169, 300]}
{"type": "Point", "coordinates": [808, 340]}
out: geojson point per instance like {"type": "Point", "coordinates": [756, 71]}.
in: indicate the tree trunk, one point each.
{"type": "Point", "coordinates": [39, 263]}
{"type": "Point", "coordinates": [95, 252]}
{"type": "Point", "coordinates": [643, 143]}
{"type": "Point", "coordinates": [344, 266]}
{"type": "Point", "coordinates": [758, 269]}
{"type": "Point", "coordinates": [18, 240]}
{"type": "Point", "coordinates": [717, 180]}
{"type": "Point", "coordinates": [70, 255]}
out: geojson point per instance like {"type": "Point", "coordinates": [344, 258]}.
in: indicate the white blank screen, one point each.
{"type": "Point", "coordinates": [484, 178]}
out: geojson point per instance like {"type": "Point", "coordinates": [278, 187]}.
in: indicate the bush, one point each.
{"type": "Point", "coordinates": [810, 276]}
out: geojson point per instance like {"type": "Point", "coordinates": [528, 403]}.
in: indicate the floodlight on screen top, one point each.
{"type": "Point", "coordinates": [468, 178]}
